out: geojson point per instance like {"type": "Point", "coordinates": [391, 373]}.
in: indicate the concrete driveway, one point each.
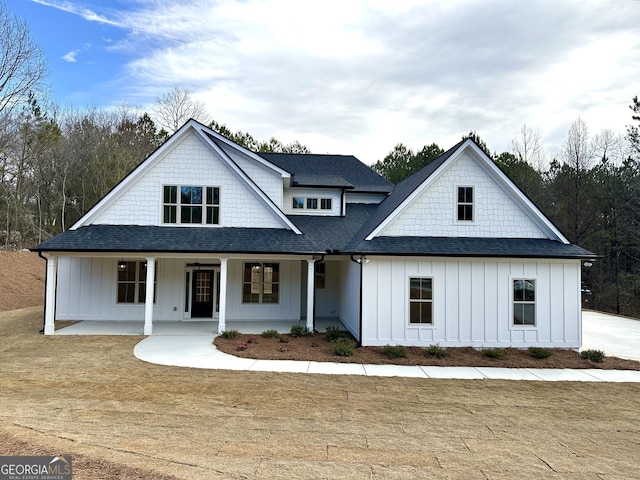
{"type": "Point", "coordinates": [615, 336]}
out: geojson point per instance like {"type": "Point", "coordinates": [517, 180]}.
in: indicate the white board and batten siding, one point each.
{"type": "Point", "coordinates": [87, 290]}
{"type": "Point", "coordinates": [472, 303]}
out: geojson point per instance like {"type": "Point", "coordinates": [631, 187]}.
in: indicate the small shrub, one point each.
{"type": "Point", "coordinates": [436, 351]}
{"type": "Point", "coordinates": [497, 353]}
{"type": "Point", "coordinates": [300, 331]}
{"type": "Point", "coordinates": [395, 351]}
{"type": "Point", "coordinates": [271, 333]}
{"type": "Point", "coordinates": [334, 334]}
{"type": "Point", "coordinates": [596, 356]}
{"type": "Point", "coordinates": [229, 334]}
{"type": "Point", "coordinates": [540, 352]}
{"type": "Point", "coordinates": [241, 347]}
{"type": "Point", "coordinates": [344, 347]}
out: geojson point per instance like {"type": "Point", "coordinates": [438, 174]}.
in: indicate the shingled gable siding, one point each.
{"type": "Point", "coordinates": [472, 303]}
{"type": "Point", "coordinates": [269, 181]}
{"type": "Point", "coordinates": [433, 213]}
{"type": "Point", "coordinates": [189, 163]}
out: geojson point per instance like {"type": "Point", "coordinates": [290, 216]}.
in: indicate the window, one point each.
{"type": "Point", "coordinates": [465, 204]}
{"type": "Point", "coordinates": [298, 202]}
{"type": "Point", "coordinates": [132, 282]}
{"type": "Point", "coordinates": [325, 204]}
{"type": "Point", "coordinates": [261, 283]}
{"type": "Point", "coordinates": [524, 302]}
{"type": "Point", "coordinates": [312, 203]}
{"type": "Point", "coordinates": [190, 204]}
{"type": "Point", "coordinates": [421, 300]}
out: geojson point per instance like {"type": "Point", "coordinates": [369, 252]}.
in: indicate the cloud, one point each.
{"type": "Point", "coordinates": [71, 56]}
{"type": "Point", "coordinates": [362, 76]}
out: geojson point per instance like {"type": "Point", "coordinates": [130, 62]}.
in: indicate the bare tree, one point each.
{"type": "Point", "coordinates": [528, 148]}
{"type": "Point", "coordinates": [22, 63]}
{"type": "Point", "coordinates": [175, 107]}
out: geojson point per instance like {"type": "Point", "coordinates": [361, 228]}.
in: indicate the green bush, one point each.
{"type": "Point", "coordinates": [300, 331]}
{"type": "Point", "coordinates": [344, 347]}
{"type": "Point", "coordinates": [540, 352]}
{"type": "Point", "coordinates": [395, 351]}
{"type": "Point", "coordinates": [593, 355]}
{"type": "Point", "coordinates": [334, 334]}
{"type": "Point", "coordinates": [436, 351]}
{"type": "Point", "coordinates": [272, 333]}
{"type": "Point", "coordinates": [497, 353]}
{"type": "Point", "coordinates": [229, 333]}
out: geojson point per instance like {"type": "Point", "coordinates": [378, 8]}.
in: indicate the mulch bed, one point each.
{"type": "Point", "coordinates": [317, 348]}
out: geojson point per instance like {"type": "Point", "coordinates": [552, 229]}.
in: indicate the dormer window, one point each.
{"type": "Point", "coordinates": [465, 204]}
{"type": "Point", "coordinates": [191, 205]}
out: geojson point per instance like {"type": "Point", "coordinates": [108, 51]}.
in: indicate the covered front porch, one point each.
{"type": "Point", "coordinates": [190, 328]}
{"type": "Point", "coordinates": [145, 294]}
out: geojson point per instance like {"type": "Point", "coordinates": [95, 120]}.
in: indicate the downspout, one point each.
{"type": "Point", "coordinates": [46, 279]}
{"type": "Point", "coordinates": [359, 262]}
{"type": "Point", "coordinates": [314, 291]}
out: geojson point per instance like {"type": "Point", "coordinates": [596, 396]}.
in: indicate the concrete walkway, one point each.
{"type": "Point", "coordinates": [198, 352]}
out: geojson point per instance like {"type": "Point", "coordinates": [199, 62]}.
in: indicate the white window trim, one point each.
{"type": "Point", "coordinates": [137, 283]}
{"type": "Point", "coordinates": [474, 205]}
{"type": "Point", "coordinates": [261, 303]}
{"type": "Point", "coordinates": [311, 197]}
{"type": "Point", "coordinates": [203, 205]}
{"type": "Point", "coordinates": [513, 326]}
{"type": "Point", "coordinates": [433, 298]}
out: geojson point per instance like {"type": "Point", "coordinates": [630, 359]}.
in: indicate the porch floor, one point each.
{"type": "Point", "coordinates": [188, 328]}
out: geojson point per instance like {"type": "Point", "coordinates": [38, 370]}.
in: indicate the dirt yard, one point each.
{"type": "Point", "coordinates": [21, 280]}
{"type": "Point", "coordinates": [122, 418]}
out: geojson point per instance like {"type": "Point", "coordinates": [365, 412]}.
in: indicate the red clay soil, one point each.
{"type": "Point", "coordinates": [21, 280]}
{"type": "Point", "coordinates": [316, 348]}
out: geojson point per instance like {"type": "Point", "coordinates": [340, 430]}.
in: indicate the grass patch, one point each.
{"type": "Point", "coordinates": [497, 353]}
{"type": "Point", "coordinates": [344, 347]}
{"type": "Point", "coordinates": [300, 331]}
{"type": "Point", "coordinates": [395, 351]}
{"type": "Point", "coordinates": [229, 333]}
{"type": "Point", "coordinates": [540, 352]}
{"type": "Point", "coordinates": [596, 356]}
{"type": "Point", "coordinates": [271, 333]}
{"type": "Point", "coordinates": [436, 351]}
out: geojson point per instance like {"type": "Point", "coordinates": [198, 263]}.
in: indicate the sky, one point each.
{"type": "Point", "coordinates": [350, 76]}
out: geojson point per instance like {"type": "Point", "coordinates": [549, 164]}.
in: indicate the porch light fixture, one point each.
{"type": "Point", "coordinates": [122, 265]}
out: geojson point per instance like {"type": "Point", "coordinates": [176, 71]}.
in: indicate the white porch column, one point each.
{"type": "Point", "coordinates": [222, 314]}
{"type": "Point", "coordinates": [311, 287]}
{"type": "Point", "coordinates": [50, 296]}
{"type": "Point", "coordinates": [148, 302]}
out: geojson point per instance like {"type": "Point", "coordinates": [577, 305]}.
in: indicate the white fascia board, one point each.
{"type": "Point", "coordinates": [242, 176]}
{"type": "Point", "coordinates": [516, 194]}
{"type": "Point", "coordinates": [131, 178]}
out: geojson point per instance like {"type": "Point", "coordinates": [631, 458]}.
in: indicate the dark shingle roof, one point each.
{"type": "Point", "coordinates": [133, 238]}
{"type": "Point", "coordinates": [346, 167]}
{"type": "Point", "coordinates": [334, 233]}
{"type": "Point", "coordinates": [469, 247]}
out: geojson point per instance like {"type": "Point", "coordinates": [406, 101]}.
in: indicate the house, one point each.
{"type": "Point", "coordinates": [206, 229]}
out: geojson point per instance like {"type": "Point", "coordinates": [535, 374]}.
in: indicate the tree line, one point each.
{"type": "Point", "coordinates": [56, 164]}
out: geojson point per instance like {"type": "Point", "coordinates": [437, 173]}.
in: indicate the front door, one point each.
{"type": "Point", "coordinates": [202, 294]}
